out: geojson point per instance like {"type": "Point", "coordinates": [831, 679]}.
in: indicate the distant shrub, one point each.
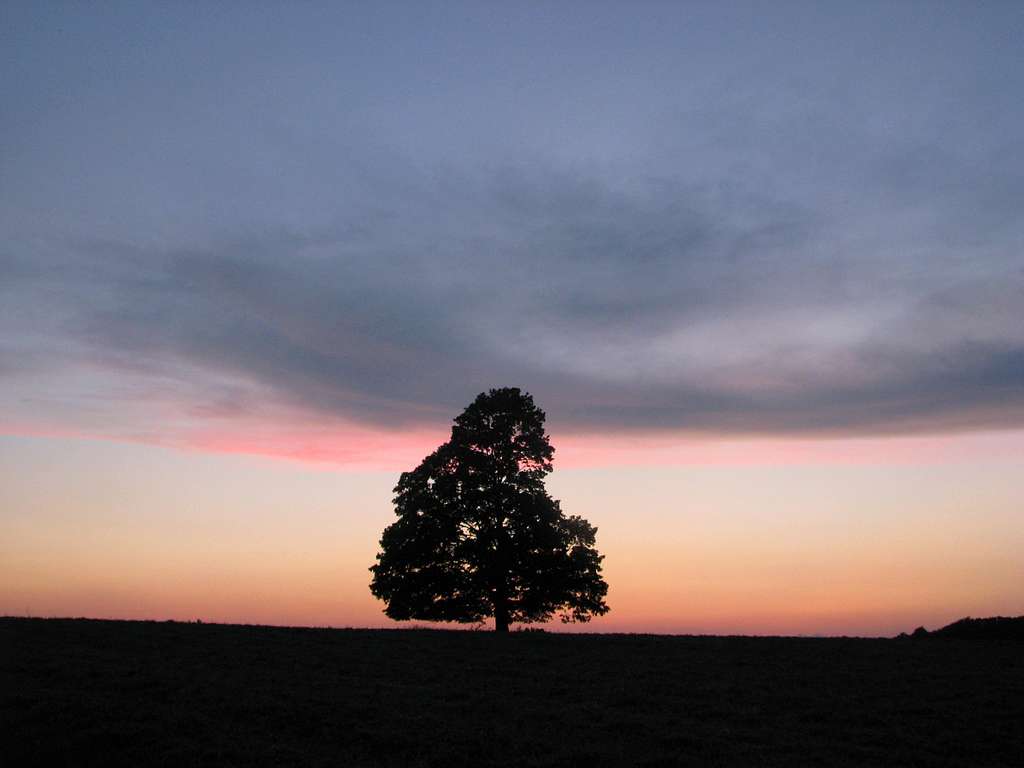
{"type": "Point", "coordinates": [996, 627]}
{"type": "Point", "coordinates": [993, 628]}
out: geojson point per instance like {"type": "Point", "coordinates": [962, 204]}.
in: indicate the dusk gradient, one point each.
{"type": "Point", "coordinates": [763, 268]}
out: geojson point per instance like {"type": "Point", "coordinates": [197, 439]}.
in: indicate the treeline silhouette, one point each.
{"type": "Point", "coordinates": [992, 628]}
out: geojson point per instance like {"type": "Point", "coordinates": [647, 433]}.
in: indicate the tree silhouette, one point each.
{"type": "Point", "coordinates": [478, 535]}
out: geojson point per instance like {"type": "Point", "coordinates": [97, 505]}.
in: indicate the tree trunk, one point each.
{"type": "Point", "coordinates": [501, 582]}
{"type": "Point", "coordinates": [500, 614]}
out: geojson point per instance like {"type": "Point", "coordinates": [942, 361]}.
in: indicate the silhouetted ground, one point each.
{"type": "Point", "coordinates": [119, 693]}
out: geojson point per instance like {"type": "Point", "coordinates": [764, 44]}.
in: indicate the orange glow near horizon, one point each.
{"type": "Point", "coordinates": [794, 537]}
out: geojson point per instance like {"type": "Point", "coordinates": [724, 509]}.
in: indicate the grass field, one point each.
{"type": "Point", "coordinates": [78, 692]}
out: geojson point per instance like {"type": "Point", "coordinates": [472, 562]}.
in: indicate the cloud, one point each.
{"type": "Point", "coordinates": [690, 229]}
{"type": "Point", "coordinates": [664, 306]}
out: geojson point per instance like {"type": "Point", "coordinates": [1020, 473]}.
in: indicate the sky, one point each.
{"type": "Point", "coordinates": [763, 271]}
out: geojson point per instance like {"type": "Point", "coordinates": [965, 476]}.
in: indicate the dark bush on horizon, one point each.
{"type": "Point", "coordinates": [996, 627]}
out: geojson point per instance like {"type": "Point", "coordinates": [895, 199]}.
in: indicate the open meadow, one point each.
{"type": "Point", "coordinates": [83, 692]}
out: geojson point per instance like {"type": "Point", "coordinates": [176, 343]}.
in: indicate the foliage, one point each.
{"type": "Point", "coordinates": [478, 535]}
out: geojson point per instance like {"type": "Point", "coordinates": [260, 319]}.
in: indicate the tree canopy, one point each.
{"type": "Point", "coordinates": [477, 534]}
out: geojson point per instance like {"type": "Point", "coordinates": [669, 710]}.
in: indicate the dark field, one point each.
{"type": "Point", "coordinates": [108, 693]}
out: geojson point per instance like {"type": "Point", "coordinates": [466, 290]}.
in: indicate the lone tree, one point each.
{"type": "Point", "coordinates": [478, 535]}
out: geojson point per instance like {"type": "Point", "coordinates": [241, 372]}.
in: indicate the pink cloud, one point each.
{"type": "Point", "coordinates": [346, 445]}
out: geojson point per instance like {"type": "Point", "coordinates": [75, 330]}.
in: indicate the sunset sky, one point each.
{"type": "Point", "coordinates": [763, 271]}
